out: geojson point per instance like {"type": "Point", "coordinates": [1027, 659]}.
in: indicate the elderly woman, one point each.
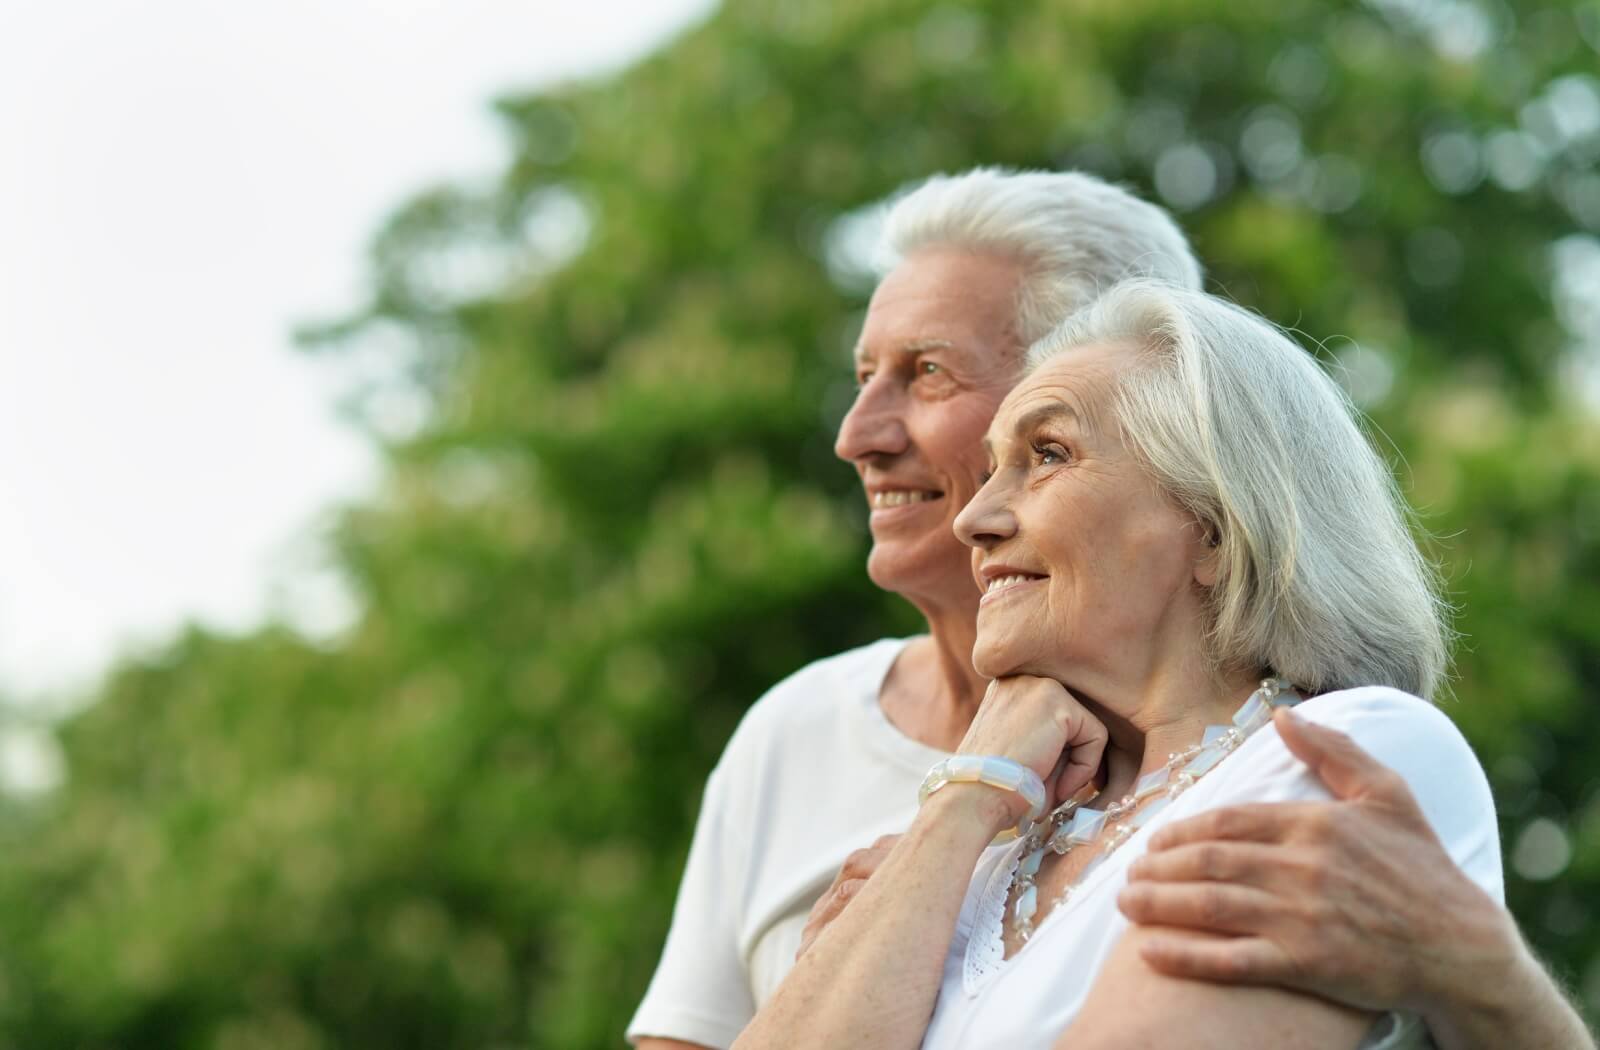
{"type": "Point", "coordinates": [1182, 529]}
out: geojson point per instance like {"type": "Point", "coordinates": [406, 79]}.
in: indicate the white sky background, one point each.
{"type": "Point", "coordinates": [181, 182]}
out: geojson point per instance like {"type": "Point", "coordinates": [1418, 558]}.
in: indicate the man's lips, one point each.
{"type": "Point", "coordinates": [884, 499]}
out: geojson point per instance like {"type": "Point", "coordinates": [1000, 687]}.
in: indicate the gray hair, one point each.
{"type": "Point", "coordinates": [1319, 578]}
{"type": "Point", "coordinates": [1074, 235]}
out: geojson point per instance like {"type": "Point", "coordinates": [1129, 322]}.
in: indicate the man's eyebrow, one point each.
{"type": "Point", "coordinates": [911, 346]}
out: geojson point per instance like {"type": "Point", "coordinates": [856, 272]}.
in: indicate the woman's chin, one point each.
{"type": "Point", "coordinates": [992, 661]}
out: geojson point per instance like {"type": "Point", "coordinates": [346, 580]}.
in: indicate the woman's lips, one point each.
{"type": "Point", "coordinates": [1000, 586]}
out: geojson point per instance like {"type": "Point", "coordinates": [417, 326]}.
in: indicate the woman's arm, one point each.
{"type": "Point", "coordinates": [1133, 1005]}
{"type": "Point", "coordinates": [870, 978]}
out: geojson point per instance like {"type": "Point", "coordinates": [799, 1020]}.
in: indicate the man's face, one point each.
{"type": "Point", "coordinates": [938, 352]}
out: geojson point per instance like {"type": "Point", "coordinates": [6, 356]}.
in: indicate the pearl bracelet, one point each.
{"type": "Point", "coordinates": [996, 772]}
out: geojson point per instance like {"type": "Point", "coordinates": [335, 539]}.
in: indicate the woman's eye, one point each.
{"type": "Point", "coordinates": [1050, 453]}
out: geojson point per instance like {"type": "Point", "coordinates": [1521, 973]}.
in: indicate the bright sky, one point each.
{"type": "Point", "coordinates": [181, 182]}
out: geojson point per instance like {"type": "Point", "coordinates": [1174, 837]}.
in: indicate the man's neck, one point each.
{"type": "Point", "coordinates": [932, 693]}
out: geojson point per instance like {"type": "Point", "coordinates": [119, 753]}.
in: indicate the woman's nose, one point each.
{"type": "Point", "coordinates": [987, 519]}
{"type": "Point", "coordinates": [875, 424]}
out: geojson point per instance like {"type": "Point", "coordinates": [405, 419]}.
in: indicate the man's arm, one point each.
{"type": "Point", "coordinates": [699, 996]}
{"type": "Point", "coordinates": [1354, 899]}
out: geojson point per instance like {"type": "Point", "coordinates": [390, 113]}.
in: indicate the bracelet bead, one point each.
{"type": "Point", "coordinates": [996, 772]}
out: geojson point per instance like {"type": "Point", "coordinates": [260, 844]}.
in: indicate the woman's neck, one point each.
{"type": "Point", "coordinates": [1169, 713]}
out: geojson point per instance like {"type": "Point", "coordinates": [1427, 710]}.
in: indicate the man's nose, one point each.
{"type": "Point", "coordinates": [875, 424]}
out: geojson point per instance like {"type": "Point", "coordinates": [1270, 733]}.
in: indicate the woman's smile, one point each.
{"type": "Point", "coordinates": [1004, 582]}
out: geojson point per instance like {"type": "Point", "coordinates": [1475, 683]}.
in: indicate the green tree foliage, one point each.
{"type": "Point", "coordinates": [619, 519]}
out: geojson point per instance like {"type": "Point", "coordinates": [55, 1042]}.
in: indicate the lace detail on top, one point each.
{"type": "Point", "coordinates": [986, 947]}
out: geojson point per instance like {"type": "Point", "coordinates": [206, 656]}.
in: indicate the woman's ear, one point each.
{"type": "Point", "coordinates": [1206, 566]}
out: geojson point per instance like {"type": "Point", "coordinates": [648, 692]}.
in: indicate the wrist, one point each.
{"type": "Point", "coordinates": [1482, 982]}
{"type": "Point", "coordinates": [982, 808]}
{"type": "Point", "coordinates": [1022, 792]}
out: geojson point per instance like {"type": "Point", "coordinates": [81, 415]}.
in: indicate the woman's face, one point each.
{"type": "Point", "coordinates": [1087, 568]}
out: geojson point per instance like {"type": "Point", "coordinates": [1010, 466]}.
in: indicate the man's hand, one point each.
{"type": "Point", "coordinates": [1353, 899]}
{"type": "Point", "coordinates": [857, 869]}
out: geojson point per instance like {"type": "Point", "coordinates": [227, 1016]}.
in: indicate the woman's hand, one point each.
{"type": "Point", "coordinates": [1036, 722]}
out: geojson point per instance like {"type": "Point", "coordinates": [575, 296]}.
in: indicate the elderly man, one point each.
{"type": "Point", "coordinates": [831, 758]}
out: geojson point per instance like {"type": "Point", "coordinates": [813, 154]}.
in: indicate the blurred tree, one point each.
{"type": "Point", "coordinates": [606, 387]}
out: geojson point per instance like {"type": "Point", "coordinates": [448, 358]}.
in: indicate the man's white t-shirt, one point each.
{"type": "Point", "coordinates": [814, 772]}
{"type": "Point", "coordinates": [1028, 1000]}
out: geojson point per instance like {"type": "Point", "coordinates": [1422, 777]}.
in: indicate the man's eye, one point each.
{"type": "Point", "coordinates": [928, 368]}
{"type": "Point", "coordinates": [862, 378]}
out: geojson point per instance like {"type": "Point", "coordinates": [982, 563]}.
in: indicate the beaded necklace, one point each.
{"type": "Point", "coordinates": [1070, 826]}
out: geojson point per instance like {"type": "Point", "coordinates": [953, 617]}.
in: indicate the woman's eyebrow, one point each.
{"type": "Point", "coordinates": [1046, 413]}
{"type": "Point", "coordinates": [1055, 410]}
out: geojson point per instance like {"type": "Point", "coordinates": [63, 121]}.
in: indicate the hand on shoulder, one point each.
{"type": "Point", "coordinates": [1355, 899]}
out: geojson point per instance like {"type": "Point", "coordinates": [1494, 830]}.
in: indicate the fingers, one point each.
{"type": "Point", "coordinates": [857, 869]}
{"type": "Point", "coordinates": [1245, 863]}
{"type": "Point", "coordinates": [1343, 767]}
{"type": "Point", "coordinates": [861, 863]}
{"type": "Point", "coordinates": [1085, 748]}
{"type": "Point", "coordinates": [1267, 822]}
{"type": "Point", "coordinates": [1231, 960]}
{"type": "Point", "coordinates": [828, 907]}
{"type": "Point", "coordinates": [1036, 721]}
{"type": "Point", "coordinates": [1210, 907]}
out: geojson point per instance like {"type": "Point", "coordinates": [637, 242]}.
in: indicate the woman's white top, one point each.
{"type": "Point", "coordinates": [1028, 1000]}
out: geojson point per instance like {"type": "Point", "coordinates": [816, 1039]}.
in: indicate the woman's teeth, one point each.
{"type": "Point", "coordinates": [900, 498]}
{"type": "Point", "coordinates": [1005, 581]}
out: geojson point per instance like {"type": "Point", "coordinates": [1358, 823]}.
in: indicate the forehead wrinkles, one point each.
{"type": "Point", "coordinates": [1046, 399]}
{"type": "Point", "coordinates": [1086, 383]}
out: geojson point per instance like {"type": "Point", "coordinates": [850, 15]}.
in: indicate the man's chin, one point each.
{"type": "Point", "coordinates": [912, 568]}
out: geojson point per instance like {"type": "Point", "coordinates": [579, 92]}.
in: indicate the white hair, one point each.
{"type": "Point", "coordinates": [1074, 235]}
{"type": "Point", "coordinates": [1319, 579]}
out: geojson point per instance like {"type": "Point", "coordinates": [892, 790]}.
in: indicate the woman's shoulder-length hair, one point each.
{"type": "Point", "coordinates": [1319, 577]}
